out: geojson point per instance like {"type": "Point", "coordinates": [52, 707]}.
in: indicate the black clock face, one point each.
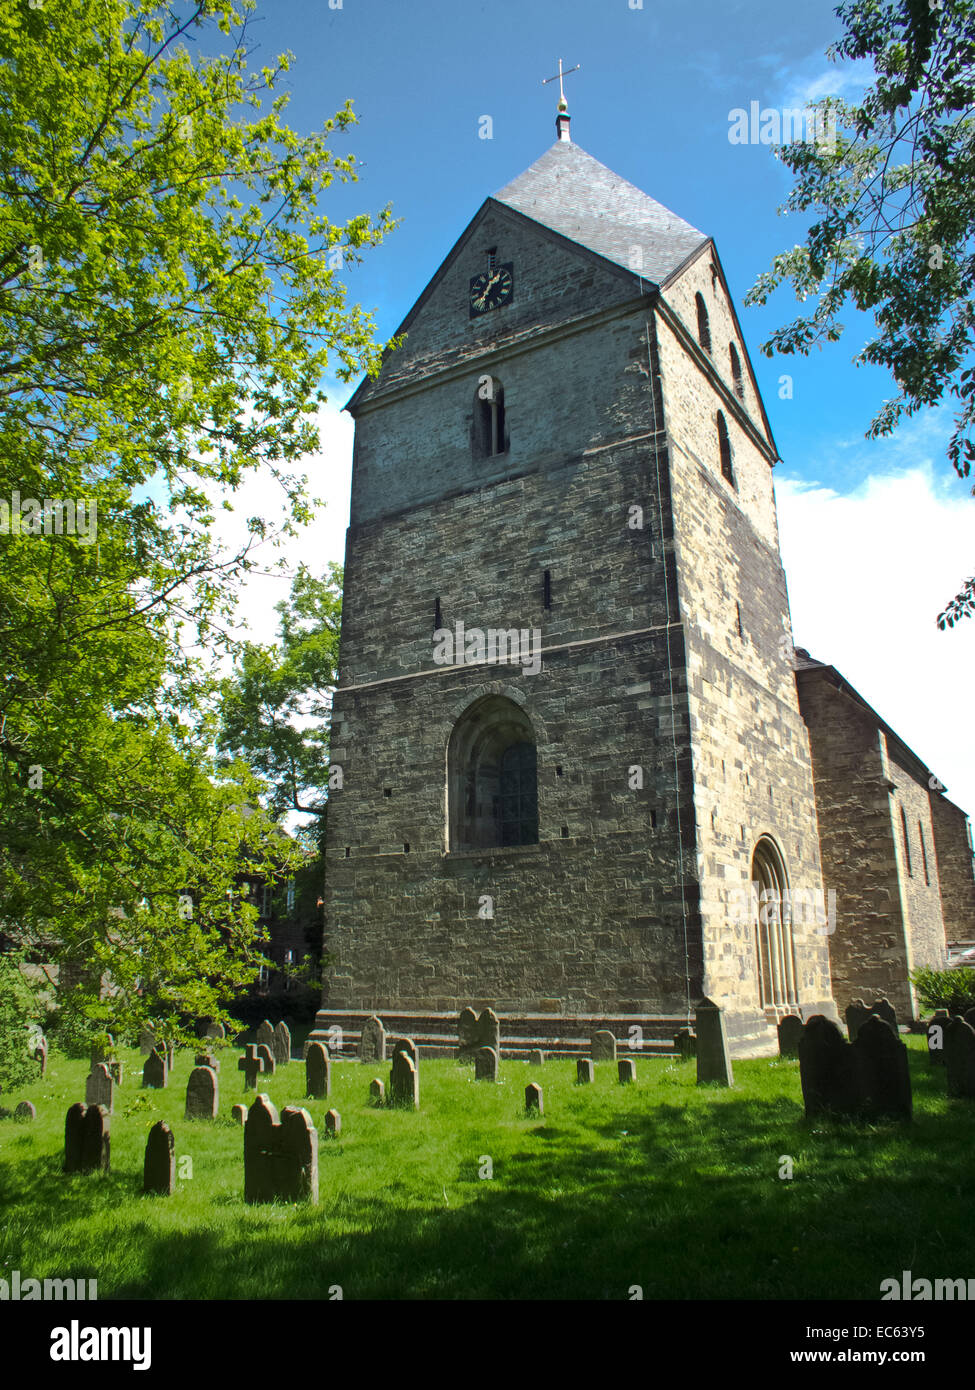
{"type": "Point", "coordinates": [492, 289]}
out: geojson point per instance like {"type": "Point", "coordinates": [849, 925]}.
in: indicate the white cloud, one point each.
{"type": "Point", "coordinates": [868, 573]}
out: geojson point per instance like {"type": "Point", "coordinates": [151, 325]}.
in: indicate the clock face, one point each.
{"type": "Point", "coordinates": [491, 289]}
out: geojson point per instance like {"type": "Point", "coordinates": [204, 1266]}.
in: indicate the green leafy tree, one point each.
{"type": "Point", "coordinates": [170, 300]}
{"type": "Point", "coordinates": [18, 1011]}
{"type": "Point", "coordinates": [893, 206]}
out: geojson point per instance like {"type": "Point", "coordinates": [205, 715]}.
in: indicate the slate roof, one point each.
{"type": "Point", "coordinates": [571, 193]}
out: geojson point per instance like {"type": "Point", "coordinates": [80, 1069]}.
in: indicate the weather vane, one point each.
{"type": "Point", "coordinates": [563, 104]}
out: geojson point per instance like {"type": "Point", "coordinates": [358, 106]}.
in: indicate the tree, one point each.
{"type": "Point", "coordinates": [169, 304]}
{"type": "Point", "coordinates": [894, 202]}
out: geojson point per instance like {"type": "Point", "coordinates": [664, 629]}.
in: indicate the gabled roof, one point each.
{"type": "Point", "coordinates": [573, 194]}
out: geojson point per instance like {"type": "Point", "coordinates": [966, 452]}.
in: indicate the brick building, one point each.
{"type": "Point", "coordinates": [567, 715]}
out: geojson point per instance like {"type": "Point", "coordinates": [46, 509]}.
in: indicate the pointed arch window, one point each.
{"type": "Point", "coordinates": [724, 450]}
{"type": "Point", "coordinates": [490, 427]}
{"type": "Point", "coordinates": [492, 777]}
{"type": "Point", "coordinates": [703, 325]}
{"type": "Point", "coordinates": [772, 924]}
{"type": "Point", "coordinates": [736, 376]}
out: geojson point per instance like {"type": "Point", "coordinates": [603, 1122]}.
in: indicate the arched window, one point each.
{"type": "Point", "coordinates": [492, 777]}
{"type": "Point", "coordinates": [724, 449]}
{"type": "Point", "coordinates": [490, 435]}
{"type": "Point", "coordinates": [736, 376]}
{"type": "Point", "coordinates": [703, 328]}
{"type": "Point", "coordinates": [772, 922]}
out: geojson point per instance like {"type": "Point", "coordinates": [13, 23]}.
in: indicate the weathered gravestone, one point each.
{"type": "Point", "coordinates": [474, 1033]}
{"type": "Point", "coordinates": [685, 1044]}
{"type": "Point", "coordinates": [485, 1064]}
{"type": "Point", "coordinates": [40, 1051]}
{"type": "Point", "coordinates": [828, 1069]}
{"type": "Point", "coordinates": [216, 1031]}
{"type": "Point", "coordinates": [790, 1031]}
{"type": "Point", "coordinates": [251, 1066]}
{"type": "Point", "coordinates": [404, 1081]}
{"type": "Point", "coordinates": [377, 1091]}
{"type": "Point", "coordinates": [626, 1069]}
{"type": "Point", "coordinates": [713, 1057]}
{"type": "Point", "coordinates": [857, 1014]}
{"type": "Point", "coordinates": [207, 1059]}
{"type": "Point", "coordinates": [884, 1009]}
{"type": "Point", "coordinates": [534, 1101]}
{"type": "Point", "coordinates": [147, 1042]}
{"type": "Point", "coordinates": [960, 1059]}
{"type": "Point", "coordinates": [536, 1058]}
{"type": "Point", "coordinates": [281, 1047]}
{"type": "Point", "coordinates": [159, 1168]}
{"type": "Point", "coordinates": [408, 1046]}
{"type": "Point", "coordinates": [584, 1071]}
{"type": "Point", "coordinates": [372, 1041]}
{"type": "Point", "coordinates": [202, 1094]}
{"type": "Point", "coordinates": [155, 1072]}
{"type": "Point", "coordinates": [116, 1069]}
{"type": "Point", "coordinates": [25, 1112]}
{"type": "Point", "coordinates": [267, 1057]}
{"type": "Point", "coordinates": [969, 1018]}
{"type": "Point", "coordinates": [265, 1035]}
{"type": "Point", "coordinates": [102, 1050]}
{"type": "Point", "coordinates": [936, 1029]}
{"type": "Point", "coordinates": [885, 1080]}
{"type": "Point", "coordinates": [87, 1139]}
{"type": "Point", "coordinates": [602, 1046]}
{"type": "Point", "coordinates": [100, 1088]}
{"type": "Point", "coordinates": [238, 1114]}
{"type": "Point", "coordinates": [333, 1123]}
{"type": "Point", "coordinates": [318, 1072]}
{"type": "Point", "coordinates": [280, 1156]}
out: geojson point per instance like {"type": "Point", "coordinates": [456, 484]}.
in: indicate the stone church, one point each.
{"type": "Point", "coordinates": [585, 777]}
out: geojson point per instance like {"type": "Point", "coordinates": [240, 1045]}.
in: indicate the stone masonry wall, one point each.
{"type": "Point", "coordinates": [953, 848]}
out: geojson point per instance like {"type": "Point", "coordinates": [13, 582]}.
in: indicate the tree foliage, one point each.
{"type": "Point", "coordinates": [170, 299]}
{"type": "Point", "coordinates": [893, 200]}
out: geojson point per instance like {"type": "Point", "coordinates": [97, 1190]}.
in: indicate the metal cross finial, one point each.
{"type": "Point", "coordinates": [563, 104]}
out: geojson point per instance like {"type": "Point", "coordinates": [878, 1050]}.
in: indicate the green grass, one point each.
{"type": "Point", "coordinates": [665, 1184]}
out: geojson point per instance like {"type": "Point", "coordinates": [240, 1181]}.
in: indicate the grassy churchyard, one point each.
{"type": "Point", "coordinates": [666, 1185]}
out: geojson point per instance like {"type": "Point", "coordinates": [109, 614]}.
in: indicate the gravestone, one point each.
{"type": "Point", "coordinates": [40, 1052]}
{"type": "Point", "coordinates": [856, 1013]}
{"type": "Point", "coordinates": [147, 1042]}
{"type": "Point", "coordinates": [100, 1088]}
{"type": "Point", "coordinates": [584, 1071]}
{"type": "Point", "coordinates": [377, 1091]}
{"type": "Point", "coordinates": [202, 1094]}
{"type": "Point", "coordinates": [159, 1168]}
{"type": "Point", "coordinates": [960, 1059]}
{"type": "Point", "coordinates": [281, 1047]}
{"type": "Point", "coordinates": [468, 1038]}
{"type": "Point", "coordinates": [713, 1057]}
{"type": "Point", "coordinates": [474, 1033]}
{"type": "Point", "coordinates": [87, 1139]}
{"type": "Point", "coordinates": [266, 1055]}
{"type": "Point", "coordinates": [685, 1044]}
{"type": "Point", "coordinates": [404, 1081]}
{"type": "Point", "coordinates": [626, 1068]}
{"type": "Point", "coordinates": [155, 1073]}
{"type": "Point", "coordinates": [936, 1029]}
{"type": "Point", "coordinates": [25, 1112]}
{"type": "Point", "coordinates": [884, 1009]}
{"type": "Point", "coordinates": [251, 1066]}
{"type": "Point", "coordinates": [408, 1046]}
{"type": "Point", "coordinates": [536, 1058]}
{"type": "Point", "coordinates": [238, 1114]}
{"type": "Point", "coordinates": [333, 1123]}
{"type": "Point", "coordinates": [216, 1031]}
{"type": "Point", "coordinates": [485, 1064]}
{"type": "Point", "coordinates": [102, 1051]}
{"type": "Point", "coordinates": [790, 1031]}
{"type": "Point", "coordinates": [534, 1101]}
{"type": "Point", "coordinates": [884, 1077]}
{"type": "Point", "coordinates": [318, 1072]}
{"type": "Point", "coordinates": [827, 1069]}
{"type": "Point", "coordinates": [265, 1035]}
{"type": "Point", "coordinates": [280, 1156]}
{"type": "Point", "coordinates": [969, 1018]}
{"type": "Point", "coordinates": [602, 1046]}
{"type": "Point", "coordinates": [372, 1041]}
{"type": "Point", "coordinates": [207, 1059]}
{"type": "Point", "coordinates": [116, 1069]}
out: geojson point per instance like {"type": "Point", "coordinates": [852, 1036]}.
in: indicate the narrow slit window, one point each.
{"type": "Point", "coordinates": [907, 844]}
{"type": "Point", "coordinates": [724, 450]}
{"type": "Point", "coordinates": [490, 426]}
{"type": "Point", "coordinates": [703, 326]}
{"type": "Point", "coordinates": [924, 852]}
{"type": "Point", "coordinates": [736, 376]}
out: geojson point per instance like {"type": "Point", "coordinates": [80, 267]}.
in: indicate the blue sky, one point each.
{"type": "Point", "coordinates": [876, 536]}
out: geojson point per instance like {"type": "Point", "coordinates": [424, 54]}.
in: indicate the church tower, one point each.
{"type": "Point", "coordinates": [566, 718]}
